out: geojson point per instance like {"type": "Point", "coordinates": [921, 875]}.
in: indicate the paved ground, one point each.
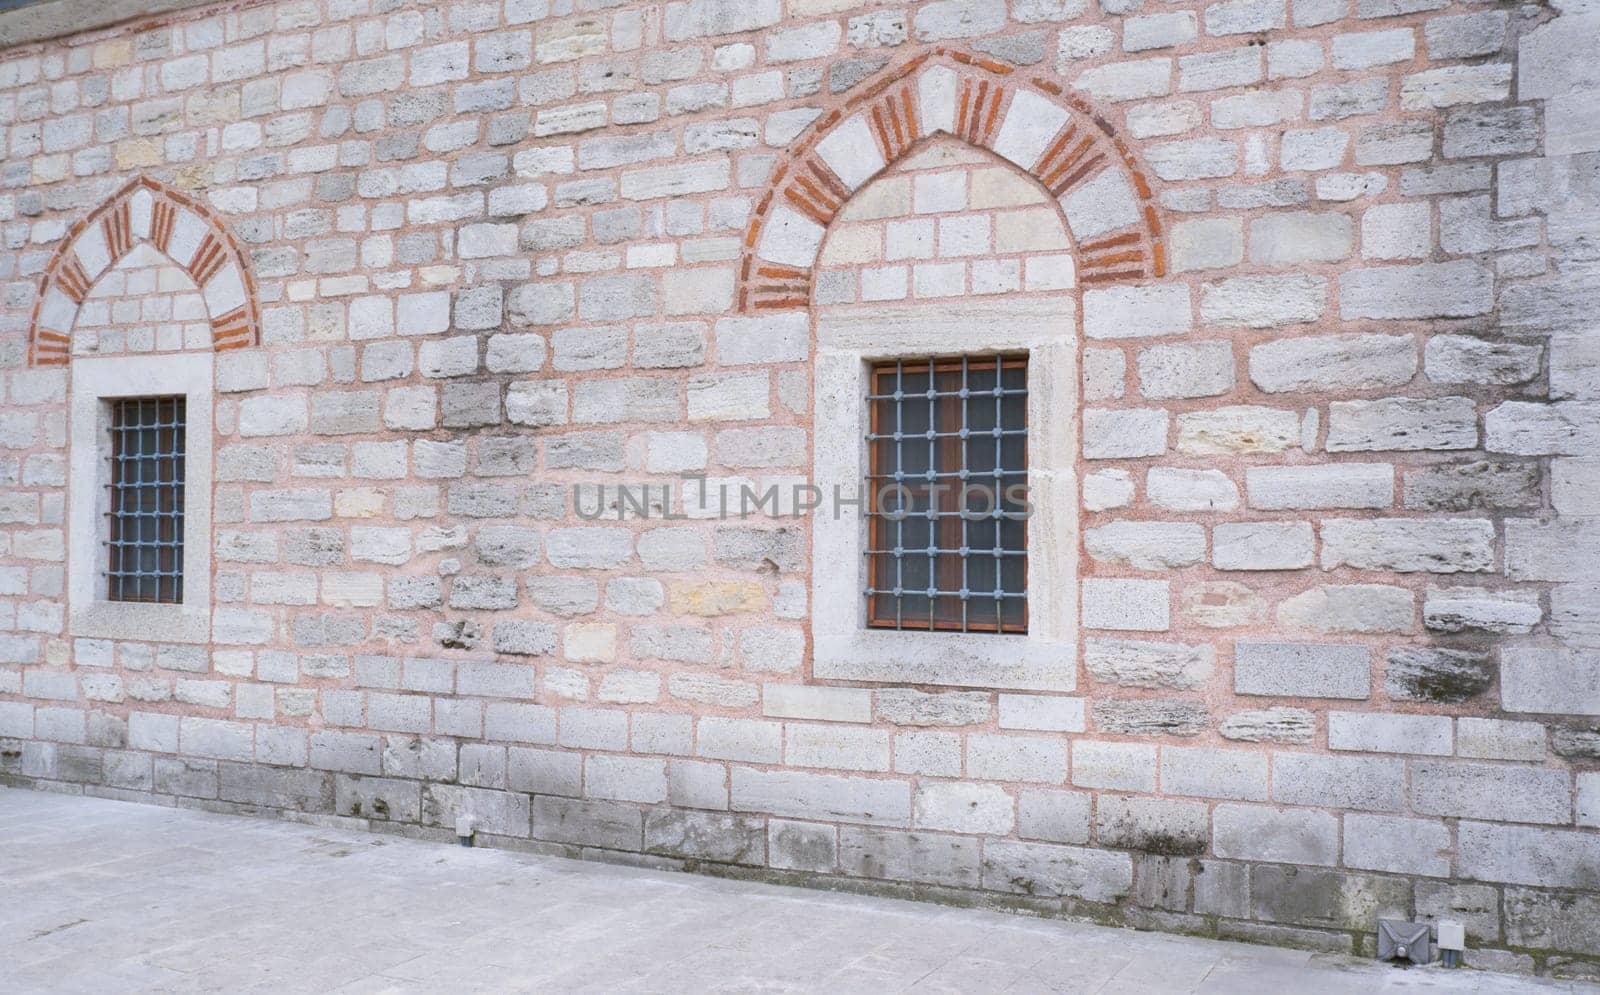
{"type": "Point", "coordinates": [101, 895]}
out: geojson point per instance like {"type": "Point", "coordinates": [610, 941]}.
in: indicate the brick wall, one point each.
{"type": "Point", "coordinates": [485, 282]}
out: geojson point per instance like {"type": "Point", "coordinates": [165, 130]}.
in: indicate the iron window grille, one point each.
{"type": "Point", "coordinates": [145, 538]}
{"type": "Point", "coordinates": [946, 483]}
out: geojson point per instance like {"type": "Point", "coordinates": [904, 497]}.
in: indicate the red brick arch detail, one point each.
{"type": "Point", "coordinates": [1082, 149]}
{"type": "Point", "coordinates": [145, 210]}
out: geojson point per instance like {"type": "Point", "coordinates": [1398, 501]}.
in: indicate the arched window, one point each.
{"type": "Point", "coordinates": [936, 233]}
{"type": "Point", "coordinates": [136, 301]}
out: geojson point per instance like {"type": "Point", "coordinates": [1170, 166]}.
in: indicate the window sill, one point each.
{"type": "Point", "coordinates": [145, 622]}
{"type": "Point", "coordinates": [954, 659]}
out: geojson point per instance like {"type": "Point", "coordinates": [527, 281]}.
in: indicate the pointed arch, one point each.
{"type": "Point", "coordinates": [185, 230]}
{"type": "Point", "coordinates": [1031, 122]}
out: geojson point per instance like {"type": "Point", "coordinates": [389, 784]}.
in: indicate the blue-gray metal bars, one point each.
{"type": "Point", "coordinates": [947, 494]}
{"type": "Point", "coordinates": [145, 538]}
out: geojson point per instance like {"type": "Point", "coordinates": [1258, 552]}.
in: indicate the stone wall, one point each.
{"type": "Point", "coordinates": [487, 282]}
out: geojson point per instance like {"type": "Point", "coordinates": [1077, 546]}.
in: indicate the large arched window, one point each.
{"type": "Point", "coordinates": [936, 232]}
{"type": "Point", "coordinates": [136, 301]}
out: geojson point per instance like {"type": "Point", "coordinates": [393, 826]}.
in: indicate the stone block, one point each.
{"type": "Point", "coordinates": [1381, 733]}
{"type": "Point", "coordinates": [1209, 773]}
{"type": "Point", "coordinates": [1396, 231]}
{"type": "Point", "coordinates": [797, 794]}
{"type": "Point", "coordinates": [1147, 545]}
{"type": "Point", "coordinates": [1338, 485]}
{"type": "Point", "coordinates": [1458, 289]}
{"type": "Point", "coordinates": [1437, 674]}
{"type": "Point", "coordinates": [1153, 825]}
{"type": "Point", "coordinates": [1489, 791]}
{"type": "Point", "coordinates": [1292, 238]}
{"type": "Point", "coordinates": [1017, 758]}
{"type": "Point", "coordinates": [1125, 433]}
{"type": "Point", "coordinates": [605, 824]}
{"type": "Point", "coordinates": [1327, 899]}
{"type": "Point", "coordinates": [802, 846]}
{"type": "Point", "coordinates": [1280, 835]}
{"type": "Point", "coordinates": [1549, 681]}
{"type": "Point", "coordinates": [835, 746]}
{"type": "Point", "coordinates": [351, 753]}
{"type": "Point", "coordinates": [1543, 858]}
{"type": "Point", "coordinates": [1041, 713]}
{"type": "Point", "coordinates": [1350, 608]}
{"type": "Point", "coordinates": [1208, 243]}
{"type": "Point", "coordinates": [1237, 430]}
{"type": "Point", "coordinates": [1176, 489]}
{"type": "Point", "coordinates": [1270, 725]}
{"type": "Point", "coordinates": [1333, 363]}
{"type": "Point", "coordinates": [629, 779]}
{"type": "Point", "coordinates": [899, 856]}
{"type": "Point", "coordinates": [1124, 312]}
{"type": "Point", "coordinates": [1222, 889]}
{"type": "Point", "coordinates": [712, 836]}
{"type": "Point", "coordinates": [1264, 301]}
{"type": "Point", "coordinates": [1046, 870]}
{"type": "Point", "coordinates": [1134, 663]}
{"type": "Point", "coordinates": [1535, 429]}
{"type": "Point", "coordinates": [934, 753]}
{"type": "Point", "coordinates": [831, 704]}
{"type": "Point", "coordinates": [1053, 816]}
{"type": "Point", "coordinates": [1262, 546]}
{"type": "Point", "coordinates": [963, 808]}
{"type": "Point", "coordinates": [1318, 670]}
{"type": "Point", "coordinates": [1407, 545]}
{"type": "Point", "coordinates": [1145, 717]}
{"type": "Point", "coordinates": [1138, 605]}
{"type": "Point", "coordinates": [1203, 370]}
{"type": "Point", "coordinates": [1475, 906]}
{"type": "Point", "coordinates": [1501, 739]}
{"type": "Point", "coordinates": [1401, 423]}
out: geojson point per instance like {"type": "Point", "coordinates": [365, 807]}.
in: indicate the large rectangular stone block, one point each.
{"type": "Point", "coordinates": [1396, 845]}
{"type": "Point", "coordinates": [1208, 773]}
{"type": "Point", "coordinates": [802, 795]}
{"type": "Point", "coordinates": [927, 858]}
{"type": "Point", "coordinates": [1369, 783]}
{"type": "Point", "coordinates": [1318, 670]}
{"type": "Point", "coordinates": [1457, 289]}
{"type": "Point", "coordinates": [606, 824]}
{"type": "Point", "coordinates": [1492, 791]}
{"type": "Point", "coordinates": [1281, 835]}
{"type": "Point", "coordinates": [1153, 825]}
{"type": "Point", "coordinates": [1047, 870]}
{"type": "Point", "coordinates": [1550, 681]}
{"type": "Point", "coordinates": [728, 839]}
{"type": "Point", "coordinates": [1544, 858]}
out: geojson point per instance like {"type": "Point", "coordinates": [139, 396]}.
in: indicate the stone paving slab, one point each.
{"type": "Point", "coordinates": [98, 895]}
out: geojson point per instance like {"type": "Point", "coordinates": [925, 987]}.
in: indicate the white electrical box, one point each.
{"type": "Point", "coordinates": [1452, 936]}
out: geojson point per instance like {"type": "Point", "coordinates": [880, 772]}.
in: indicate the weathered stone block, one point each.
{"type": "Point", "coordinates": [1283, 835]}
{"type": "Point", "coordinates": [1350, 608]}
{"type": "Point", "coordinates": [1151, 718]}
{"type": "Point", "coordinates": [1437, 674]}
{"type": "Point", "coordinates": [1270, 725]}
{"type": "Point", "coordinates": [1333, 363]}
{"type": "Point", "coordinates": [1458, 545]}
{"type": "Point", "coordinates": [1485, 791]}
{"type": "Point", "coordinates": [1046, 870]}
{"type": "Point", "coordinates": [1402, 424]}
{"type": "Point", "coordinates": [1153, 825]}
{"type": "Point", "coordinates": [730, 839]}
{"type": "Point", "coordinates": [1132, 663]}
